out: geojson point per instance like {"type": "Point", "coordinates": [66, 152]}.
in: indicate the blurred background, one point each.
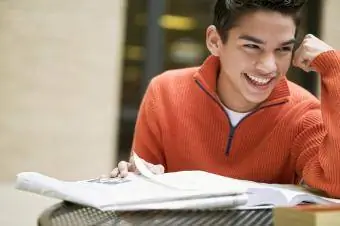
{"type": "Point", "coordinates": [72, 75]}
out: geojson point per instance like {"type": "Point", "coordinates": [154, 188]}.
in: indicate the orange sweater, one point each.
{"type": "Point", "coordinates": [292, 136]}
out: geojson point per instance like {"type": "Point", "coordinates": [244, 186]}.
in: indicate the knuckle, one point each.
{"type": "Point", "coordinates": [161, 167]}
{"type": "Point", "coordinates": [114, 172]}
{"type": "Point", "coordinates": [122, 164]}
{"type": "Point", "coordinates": [309, 36]}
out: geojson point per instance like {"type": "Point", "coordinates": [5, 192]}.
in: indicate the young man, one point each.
{"type": "Point", "coordinates": [237, 115]}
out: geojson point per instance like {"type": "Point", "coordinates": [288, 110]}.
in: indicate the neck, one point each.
{"type": "Point", "coordinates": [232, 98]}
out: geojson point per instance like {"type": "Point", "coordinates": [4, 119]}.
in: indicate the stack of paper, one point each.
{"type": "Point", "coordinates": [136, 192]}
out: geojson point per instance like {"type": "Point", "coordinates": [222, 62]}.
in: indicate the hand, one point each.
{"type": "Point", "coordinates": [124, 167]}
{"type": "Point", "coordinates": [309, 49]}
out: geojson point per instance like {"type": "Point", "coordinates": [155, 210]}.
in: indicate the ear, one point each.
{"type": "Point", "coordinates": [213, 40]}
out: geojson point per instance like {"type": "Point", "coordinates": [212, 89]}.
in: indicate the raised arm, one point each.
{"type": "Point", "coordinates": [318, 144]}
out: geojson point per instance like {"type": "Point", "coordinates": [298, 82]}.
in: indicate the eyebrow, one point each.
{"type": "Point", "coordinates": [259, 41]}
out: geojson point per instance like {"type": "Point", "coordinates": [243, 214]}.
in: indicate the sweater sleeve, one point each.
{"type": "Point", "coordinates": [147, 141]}
{"type": "Point", "coordinates": [318, 144]}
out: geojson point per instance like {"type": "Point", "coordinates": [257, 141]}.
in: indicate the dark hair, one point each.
{"type": "Point", "coordinates": [228, 12]}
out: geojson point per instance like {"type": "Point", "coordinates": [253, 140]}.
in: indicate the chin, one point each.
{"type": "Point", "coordinates": [258, 99]}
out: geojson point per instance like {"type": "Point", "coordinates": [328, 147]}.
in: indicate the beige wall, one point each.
{"type": "Point", "coordinates": [60, 69]}
{"type": "Point", "coordinates": [330, 29]}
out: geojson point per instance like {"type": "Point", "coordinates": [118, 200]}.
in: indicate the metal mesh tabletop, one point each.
{"type": "Point", "coordinates": [68, 214]}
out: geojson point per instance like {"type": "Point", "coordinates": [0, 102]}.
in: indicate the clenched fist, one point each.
{"type": "Point", "coordinates": [309, 49]}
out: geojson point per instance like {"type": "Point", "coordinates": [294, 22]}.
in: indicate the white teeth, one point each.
{"type": "Point", "coordinates": [261, 80]}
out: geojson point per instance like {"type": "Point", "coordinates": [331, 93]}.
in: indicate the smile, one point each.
{"type": "Point", "coordinates": [259, 80]}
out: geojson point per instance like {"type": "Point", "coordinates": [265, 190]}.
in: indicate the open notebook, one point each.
{"type": "Point", "coordinates": [178, 190]}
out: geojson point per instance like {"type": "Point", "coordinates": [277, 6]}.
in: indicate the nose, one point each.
{"type": "Point", "coordinates": [266, 64]}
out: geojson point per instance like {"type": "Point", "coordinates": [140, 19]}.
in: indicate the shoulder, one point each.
{"type": "Point", "coordinates": [304, 107]}
{"type": "Point", "coordinates": [173, 80]}
{"type": "Point", "coordinates": [169, 91]}
{"type": "Point", "coordinates": [299, 95]}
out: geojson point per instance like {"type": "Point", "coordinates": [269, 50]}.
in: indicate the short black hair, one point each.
{"type": "Point", "coordinates": [228, 12]}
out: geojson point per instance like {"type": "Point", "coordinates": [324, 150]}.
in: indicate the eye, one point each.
{"type": "Point", "coordinates": [251, 46]}
{"type": "Point", "coordinates": [285, 49]}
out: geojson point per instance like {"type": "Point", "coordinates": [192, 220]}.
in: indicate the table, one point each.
{"type": "Point", "coordinates": [69, 214]}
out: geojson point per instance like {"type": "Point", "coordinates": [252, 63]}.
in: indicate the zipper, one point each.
{"type": "Point", "coordinates": [230, 138]}
{"type": "Point", "coordinates": [232, 128]}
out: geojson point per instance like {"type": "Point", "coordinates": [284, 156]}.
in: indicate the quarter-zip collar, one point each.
{"type": "Point", "coordinates": [207, 74]}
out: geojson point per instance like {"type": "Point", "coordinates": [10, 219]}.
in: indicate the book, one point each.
{"type": "Point", "coordinates": [307, 215]}
{"type": "Point", "coordinates": [176, 190]}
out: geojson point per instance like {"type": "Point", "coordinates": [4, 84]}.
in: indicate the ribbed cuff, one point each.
{"type": "Point", "coordinates": [327, 61]}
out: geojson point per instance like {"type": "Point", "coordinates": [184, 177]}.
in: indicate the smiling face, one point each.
{"type": "Point", "coordinates": [257, 52]}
